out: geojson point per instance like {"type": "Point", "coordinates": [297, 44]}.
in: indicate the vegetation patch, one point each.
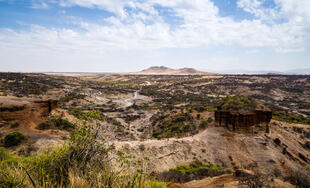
{"type": "Point", "coordinates": [81, 163]}
{"type": "Point", "coordinates": [290, 118]}
{"type": "Point", "coordinates": [194, 171]}
{"type": "Point", "coordinates": [56, 123]}
{"type": "Point", "coordinates": [14, 124]}
{"type": "Point", "coordinates": [72, 96]}
{"type": "Point", "coordinates": [240, 103]}
{"type": "Point", "coordinates": [174, 125]}
{"type": "Point", "coordinates": [87, 116]}
{"type": "Point", "coordinates": [177, 124]}
{"type": "Point", "coordinates": [204, 108]}
{"type": "Point", "coordinates": [13, 139]}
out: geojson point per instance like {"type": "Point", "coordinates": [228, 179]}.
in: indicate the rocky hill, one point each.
{"type": "Point", "coordinates": [162, 70]}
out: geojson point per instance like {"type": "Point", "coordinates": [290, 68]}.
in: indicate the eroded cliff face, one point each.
{"type": "Point", "coordinates": [244, 121]}
{"type": "Point", "coordinates": [21, 109]}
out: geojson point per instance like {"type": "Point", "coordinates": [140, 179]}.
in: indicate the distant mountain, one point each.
{"type": "Point", "coordinates": [162, 70]}
{"type": "Point", "coordinates": [157, 70]}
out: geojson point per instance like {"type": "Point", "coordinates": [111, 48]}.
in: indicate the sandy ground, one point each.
{"type": "Point", "coordinates": [219, 146]}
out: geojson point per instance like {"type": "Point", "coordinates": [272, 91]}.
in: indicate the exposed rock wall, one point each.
{"type": "Point", "coordinates": [19, 109]}
{"type": "Point", "coordinates": [244, 121]}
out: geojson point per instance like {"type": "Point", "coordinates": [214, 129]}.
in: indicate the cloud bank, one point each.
{"type": "Point", "coordinates": [161, 24]}
{"type": "Point", "coordinates": [141, 25]}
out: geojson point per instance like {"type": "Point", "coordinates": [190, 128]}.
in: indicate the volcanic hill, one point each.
{"type": "Point", "coordinates": [162, 70]}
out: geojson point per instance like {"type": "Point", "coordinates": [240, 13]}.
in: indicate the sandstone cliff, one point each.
{"type": "Point", "coordinates": [243, 114]}
{"type": "Point", "coordinates": [21, 109]}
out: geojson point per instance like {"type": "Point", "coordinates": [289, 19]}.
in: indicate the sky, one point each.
{"type": "Point", "coordinates": [130, 35]}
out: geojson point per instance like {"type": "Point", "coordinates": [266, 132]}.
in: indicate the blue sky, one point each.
{"type": "Point", "coordinates": [129, 35]}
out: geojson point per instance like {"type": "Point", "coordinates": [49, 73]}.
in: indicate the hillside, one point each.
{"type": "Point", "coordinates": [162, 70]}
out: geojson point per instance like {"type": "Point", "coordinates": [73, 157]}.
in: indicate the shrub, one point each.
{"type": "Point", "coordinates": [81, 163]}
{"type": "Point", "coordinates": [203, 124]}
{"type": "Point", "coordinates": [56, 123]}
{"type": "Point", "coordinates": [87, 116]}
{"type": "Point", "coordinates": [239, 102]}
{"type": "Point", "coordinates": [200, 109]}
{"type": "Point", "coordinates": [209, 120]}
{"type": "Point", "coordinates": [62, 123]}
{"type": "Point", "coordinates": [14, 124]}
{"type": "Point", "coordinates": [166, 126]}
{"type": "Point", "coordinates": [198, 116]}
{"type": "Point", "coordinates": [71, 96]}
{"type": "Point", "coordinates": [195, 170]}
{"type": "Point", "coordinates": [290, 118]}
{"type": "Point", "coordinates": [13, 139]}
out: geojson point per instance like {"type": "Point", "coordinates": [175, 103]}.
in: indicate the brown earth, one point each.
{"type": "Point", "coordinates": [229, 181]}
{"type": "Point", "coordinates": [220, 146]}
{"type": "Point", "coordinates": [24, 115]}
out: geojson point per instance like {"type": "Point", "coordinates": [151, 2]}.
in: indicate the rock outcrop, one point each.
{"type": "Point", "coordinates": [243, 114]}
{"type": "Point", "coordinates": [20, 109]}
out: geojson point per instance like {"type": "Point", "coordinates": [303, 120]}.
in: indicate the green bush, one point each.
{"type": "Point", "coordinates": [14, 124]}
{"type": "Point", "coordinates": [238, 102]}
{"type": "Point", "coordinates": [203, 124]}
{"type": "Point", "coordinates": [13, 139]}
{"type": "Point", "coordinates": [62, 123]}
{"type": "Point", "coordinates": [209, 120]}
{"type": "Point", "coordinates": [166, 126]}
{"type": "Point", "coordinates": [87, 116]}
{"type": "Point", "coordinates": [198, 116]}
{"type": "Point", "coordinates": [200, 109]}
{"type": "Point", "coordinates": [81, 163]}
{"type": "Point", "coordinates": [56, 123]}
{"type": "Point", "coordinates": [71, 96]}
{"type": "Point", "coordinates": [195, 170]}
{"type": "Point", "coordinates": [290, 118]}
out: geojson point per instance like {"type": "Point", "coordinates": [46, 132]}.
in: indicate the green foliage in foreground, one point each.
{"type": "Point", "coordinates": [155, 184]}
{"type": "Point", "coordinates": [13, 139]}
{"type": "Point", "coordinates": [290, 118]}
{"type": "Point", "coordinates": [195, 170]}
{"type": "Point", "coordinates": [81, 163]}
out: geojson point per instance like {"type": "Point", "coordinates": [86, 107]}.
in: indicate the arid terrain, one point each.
{"type": "Point", "coordinates": [166, 121]}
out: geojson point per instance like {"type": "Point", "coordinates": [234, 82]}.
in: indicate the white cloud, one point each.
{"type": "Point", "coordinates": [39, 5]}
{"type": "Point", "coordinates": [200, 25]}
{"type": "Point", "coordinates": [295, 8]}
{"type": "Point", "coordinates": [288, 50]}
{"type": "Point", "coordinates": [115, 6]}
